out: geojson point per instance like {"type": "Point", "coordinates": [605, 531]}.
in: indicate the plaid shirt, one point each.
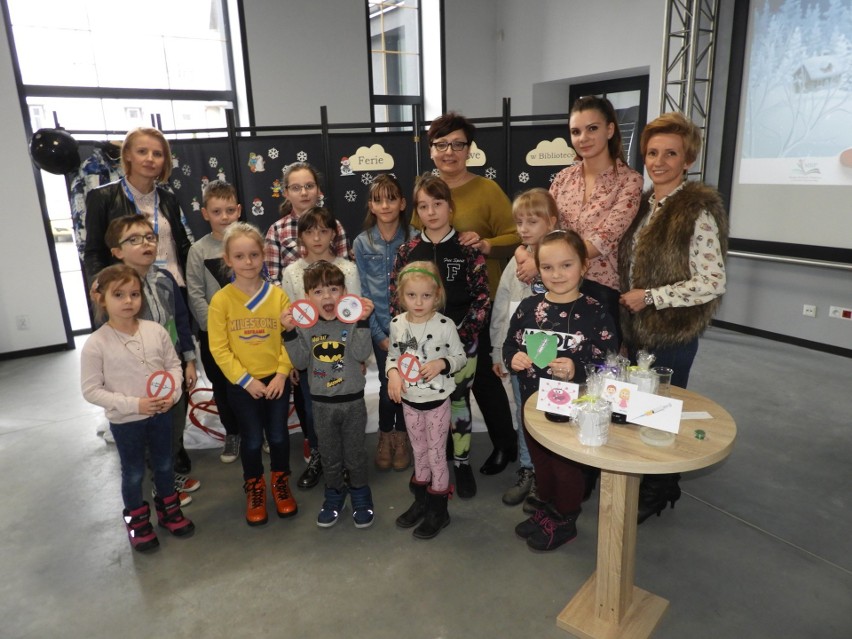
{"type": "Point", "coordinates": [281, 247]}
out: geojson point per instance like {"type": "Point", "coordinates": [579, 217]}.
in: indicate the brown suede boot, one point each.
{"type": "Point", "coordinates": [384, 450]}
{"type": "Point", "coordinates": [400, 450]}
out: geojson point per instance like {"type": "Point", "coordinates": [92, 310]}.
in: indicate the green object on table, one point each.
{"type": "Point", "coordinates": [699, 434]}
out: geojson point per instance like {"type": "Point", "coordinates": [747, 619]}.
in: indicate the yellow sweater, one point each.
{"type": "Point", "coordinates": [245, 333]}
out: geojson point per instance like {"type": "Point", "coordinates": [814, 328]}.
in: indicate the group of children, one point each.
{"type": "Point", "coordinates": [425, 301]}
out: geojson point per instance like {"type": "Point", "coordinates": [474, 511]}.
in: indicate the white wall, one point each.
{"type": "Point", "coordinates": [27, 285]}
{"type": "Point", "coordinates": [471, 37]}
{"type": "Point", "coordinates": [548, 40]}
{"type": "Point", "coordinates": [303, 55]}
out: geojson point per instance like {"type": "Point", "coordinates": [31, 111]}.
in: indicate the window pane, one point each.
{"type": "Point", "coordinates": [186, 51]}
{"type": "Point", "coordinates": [92, 114]}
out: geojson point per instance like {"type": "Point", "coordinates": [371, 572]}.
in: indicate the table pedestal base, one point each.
{"type": "Point", "coordinates": [580, 616]}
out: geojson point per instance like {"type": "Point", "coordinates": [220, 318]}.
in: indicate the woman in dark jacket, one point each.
{"type": "Point", "coordinates": [147, 162]}
{"type": "Point", "coordinates": [672, 267]}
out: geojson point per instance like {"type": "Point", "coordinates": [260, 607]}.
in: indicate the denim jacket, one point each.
{"type": "Point", "coordinates": [375, 259]}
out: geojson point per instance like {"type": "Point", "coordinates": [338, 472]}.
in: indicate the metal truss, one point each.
{"type": "Point", "coordinates": [688, 63]}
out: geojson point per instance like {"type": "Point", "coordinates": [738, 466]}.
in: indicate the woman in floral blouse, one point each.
{"type": "Point", "coordinates": [672, 266]}
{"type": "Point", "coordinates": [598, 196]}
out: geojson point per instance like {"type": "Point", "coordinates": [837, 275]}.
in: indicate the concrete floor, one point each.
{"type": "Point", "coordinates": [759, 545]}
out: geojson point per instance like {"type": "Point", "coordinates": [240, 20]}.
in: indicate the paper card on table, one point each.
{"type": "Point", "coordinates": [541, 348]}
{"type": "Point", "coordinates": [555, 396]}
{"type": "Point", "coordinates": [655, 411]}
{"type": "Point", "coordinates": [618, 394]}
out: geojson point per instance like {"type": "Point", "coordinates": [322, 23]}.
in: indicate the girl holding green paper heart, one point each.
{"type": "Point", "coordinates": [583, 331]}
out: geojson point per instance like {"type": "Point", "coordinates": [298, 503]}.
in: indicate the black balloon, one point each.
{"type": "Point", "coordinates": [55, 151]}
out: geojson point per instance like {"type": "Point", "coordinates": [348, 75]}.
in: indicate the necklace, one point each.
{"type": "Point", "coordinates": [415, 343]}
{"type": "Point", "coordinates": [138, 344]}
{"type": "Point", "coordinates": [544, 319]}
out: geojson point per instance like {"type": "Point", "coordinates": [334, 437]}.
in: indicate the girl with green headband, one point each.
{"type": "Point", "coordinates": [424, 353]}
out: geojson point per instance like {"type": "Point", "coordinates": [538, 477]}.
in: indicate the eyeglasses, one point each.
{"type": "Point", "coordinates": [455, 145]}
{"type": "Point", "coordinates": [137, 240]}
{"type": "Point", "coordinates": [298, 188]}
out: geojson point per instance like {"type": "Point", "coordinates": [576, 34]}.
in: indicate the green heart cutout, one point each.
{"type": "Point", "coordinates": [541, 348]}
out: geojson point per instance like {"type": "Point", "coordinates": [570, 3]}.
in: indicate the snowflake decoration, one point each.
{"type": "Point", "coordinates": [367, 178]}
{"type": "Point", "coordinates": [351, 196]}
{"type": "Point", "coordinates": [213, 162]}
{"type": "Point", "coordinates": [436, 173]}
{"type": "Point", "coordinates": [176, 185]}
{"type": "Point", "coordinates": [491, 173]}
{"type": "Point", "coordinates": [552, 177]}
{"type": "Point", "coordinates": [524, 177]}
{"type": "Point", "coordinates": [272, 153]}
{"type": "Point", "coordinates": [302, 156]}
{"type": "Point", "coordinates": [186, 169]}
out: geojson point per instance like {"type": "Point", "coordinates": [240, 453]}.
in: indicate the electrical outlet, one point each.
{"type": "Point", "coordinates": [22, 322]}
{"type": "Point", "coordinates": [840, 313]}
{"type": "Point", "coordinates": [809, 310]}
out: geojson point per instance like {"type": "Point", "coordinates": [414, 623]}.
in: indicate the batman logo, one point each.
{"type": "Point", "coordinates": [329, 351]}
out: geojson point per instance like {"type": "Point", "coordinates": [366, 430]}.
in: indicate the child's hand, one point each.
{"type": "Point", "coordinates": [154, 405]}
{"type": "Point", "coordinates": [471, 238]}
{"type": "Point", "coordinates": [521, 361]}
{"type": "Point", "coordinates": [256, 388]}
{"type": "Point", "coordinates": [368, 307]}
{"type": "Point", "coordinates": [499, 371]}
{"type": "Point", "coordinates": [563, 368]}
{"type": "Point", "coordinates": [526, 265]}
{"type": "Point", "coordinates": [275, 388]}
{"type": "Point", "coordinates": [430, 370]}
{"type": "Point", "coordinates": [190, 376]}
{"type": "Point", "coordinates": [286, 318]}
{"type": "Point", "coordinates": [396, 388]}
{"type": "Point", "coordinates": [294, 377]}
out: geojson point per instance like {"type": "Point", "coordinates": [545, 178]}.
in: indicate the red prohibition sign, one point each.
{"type": "Point", "coordinates": [409, 368]}
{"type": "Point", "coordinates": [161, 384]}
{"type": "Point", "coordinates": [305, 314]}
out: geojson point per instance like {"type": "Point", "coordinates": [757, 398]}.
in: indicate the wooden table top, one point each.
{"type": "Point", "coordinates": [625, 452]}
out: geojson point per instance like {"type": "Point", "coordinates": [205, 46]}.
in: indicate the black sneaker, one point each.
{"type": "Point", "coordinates": [554, 532]}
{"type": "Point", "coordinates": [465, 483]}
{"type": "Point", "coordinates": [310, 477]}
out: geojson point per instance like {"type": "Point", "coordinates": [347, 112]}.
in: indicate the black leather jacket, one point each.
{"type": "Point", "coordinates": [108, 202]}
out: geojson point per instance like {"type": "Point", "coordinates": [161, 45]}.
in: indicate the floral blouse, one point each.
{"type": "Point", "coordinates": [605, 216]}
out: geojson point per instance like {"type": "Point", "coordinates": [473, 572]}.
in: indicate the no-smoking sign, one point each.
{"type": "Point", "coordinates": [304, 313]}
{"type": "Point", "coordinates": [161, 385]}
{"type": "Point", "coordinates": [409, 368]}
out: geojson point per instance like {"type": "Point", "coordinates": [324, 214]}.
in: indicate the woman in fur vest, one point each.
{"type": "Point", "coordinates": [672, 267]}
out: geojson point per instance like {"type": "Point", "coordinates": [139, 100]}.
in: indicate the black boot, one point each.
{"type": "Point", "coordinates": [655, 492]}
{"type": "Point", "coordinates": [590, 479]}
{"type": "Point", "coordinates": [417, 510]}
{"type": "Point", "coordinates": [436, 515]}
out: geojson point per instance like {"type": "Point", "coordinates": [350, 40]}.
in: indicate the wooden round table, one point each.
{"type": "Point", "coordinates": [609, 605]}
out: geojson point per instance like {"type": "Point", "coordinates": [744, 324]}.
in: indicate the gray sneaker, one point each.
{"type": "Point", "coordinates": [517, 493]}
{"type": "Point", "coordinates": [532, 502]}
{"type": "Point", "coordinates": [232, 449]}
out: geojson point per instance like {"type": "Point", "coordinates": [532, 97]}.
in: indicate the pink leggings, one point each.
{"type": "Point", "coordinates": [427, 430]}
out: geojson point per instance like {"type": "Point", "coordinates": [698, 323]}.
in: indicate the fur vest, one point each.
{"type": "Point", "coordinates": [662, 257]}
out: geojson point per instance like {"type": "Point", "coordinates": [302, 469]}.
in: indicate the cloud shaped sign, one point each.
{"type": "Point", "coordinates": [374, 158]}
{"type": "Point", "coordinates": [554, 152]}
